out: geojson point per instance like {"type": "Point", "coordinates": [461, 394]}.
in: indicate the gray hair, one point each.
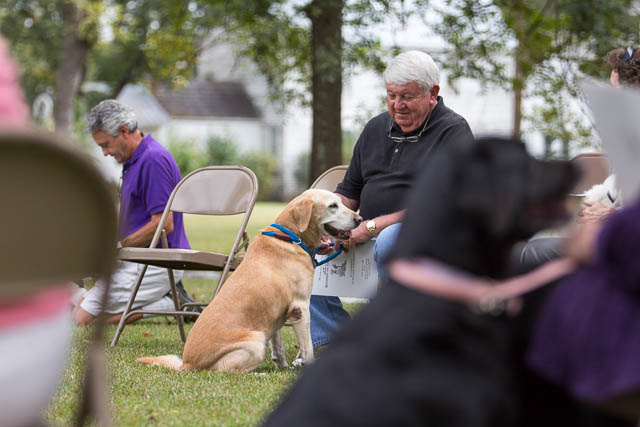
{"type": "Point", "coordinates": [108, 116]}
{"type": "Point", "coordinates": [413, 66]}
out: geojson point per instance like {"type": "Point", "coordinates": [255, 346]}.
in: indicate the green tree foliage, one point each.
{"type": "Point", "coordinates": [34, 30]}
{"type": "Point", "coordinates": [536, 49]}
{"type": "Point", "coordinates": [302, 49]}
{"type": "Point", "coordinates": [152, 41]}
{"type": "Point", "coordinates": [299, 46]}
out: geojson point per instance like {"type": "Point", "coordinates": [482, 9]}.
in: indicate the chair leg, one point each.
{"type": "Point", "coordinates": [176, 303]}
{"type": "Point", "coordinates": [132, 297]}
{"type": "Point", "coordinates": [174, 292]}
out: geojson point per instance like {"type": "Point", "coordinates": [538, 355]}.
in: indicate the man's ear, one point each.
{"type": "Point", "coordinates": [434, 91]}
{"type": "Point", "coordinates": [300, 214]}
{"type": "Point", "coordinates": [123, 129]}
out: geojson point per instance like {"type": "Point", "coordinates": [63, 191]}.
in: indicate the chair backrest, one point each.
{"type": "Point", "coordinates": [59, 223]}
{"type": "Point", "coordinates": [214, 190]}
{"type": "Point", "coordinates": [58, 214]}
{"type": "Point", "coordinates": [330, 178]}
{"type": "Point", "coordinates": [595, 169]}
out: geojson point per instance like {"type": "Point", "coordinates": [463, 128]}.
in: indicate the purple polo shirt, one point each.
{"type": "Point", "coordinates": [148, 178]}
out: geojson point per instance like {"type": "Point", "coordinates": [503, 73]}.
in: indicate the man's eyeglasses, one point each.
{"type": "Point", "coordinates": [412, 138]}
{"type": "Point", "coordinates": [627, 55]}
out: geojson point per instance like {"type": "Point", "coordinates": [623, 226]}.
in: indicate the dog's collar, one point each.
{"type": "Point", "coordinates": [480, 294]}
{"type": "Point", "coordinates": [291, 237]}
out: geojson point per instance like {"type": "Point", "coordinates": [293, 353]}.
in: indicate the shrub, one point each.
{"type": "Point", "coordinates": [265, 166]}
{"type": "Point", "coordinates": [302, 171]}
{"type": "Point", "coordinates": [186, 154]}
{"type": "Point", "coordinates": [221, 151]}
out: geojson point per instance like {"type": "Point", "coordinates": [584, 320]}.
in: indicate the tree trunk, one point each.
{"type": "Point", "coordinates": [547, 147]}
{"type": "Point", "coordinates": [518, 83]}
{"type": "Point", "coordinates": [71, 67]}
{"type": "Point", "coordinates": [326, 80]}
{"type": "Point", "coordinates": [565, 149]}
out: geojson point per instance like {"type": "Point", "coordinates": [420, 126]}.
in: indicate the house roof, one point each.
{"type": "Point", "coordinates": [205, 98]}
{"type": "Point", "coordinates": [149, 112]}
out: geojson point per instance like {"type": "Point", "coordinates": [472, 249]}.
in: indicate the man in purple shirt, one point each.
{"type": "Point", "coordinates": [149, 174]}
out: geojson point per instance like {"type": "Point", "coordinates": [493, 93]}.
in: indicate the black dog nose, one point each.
{"type": "Point", "coordinates": [358, 219]}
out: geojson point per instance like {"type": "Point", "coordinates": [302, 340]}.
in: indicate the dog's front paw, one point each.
{"type": "Point", "coordinates": [280, 363]}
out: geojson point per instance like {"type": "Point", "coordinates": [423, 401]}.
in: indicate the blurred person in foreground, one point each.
{"type": "Point", "coordinates": [149, 175]}
{"type": "Point", "coordinates": [586, 341]}
{"type": "Point", "coordinates": [34, 325]}
{"type": "Point", "coordinates": [391, 150]}
{"type": "Point", "coordinates": [625, 73]}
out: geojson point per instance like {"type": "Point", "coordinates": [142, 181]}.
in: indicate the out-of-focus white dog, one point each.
{"type": "Point", "coordinates": [606, 193]}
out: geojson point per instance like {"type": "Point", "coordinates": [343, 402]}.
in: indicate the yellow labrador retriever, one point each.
{"type": "Point", "coordinates": [271, 285]}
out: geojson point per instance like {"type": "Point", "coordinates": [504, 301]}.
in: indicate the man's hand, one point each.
{"type": "Point", "coordinates": [359, 235]}
{"type": "Point", "coordinates": [594, 212]}
{"type": "Point", "coordinates": [581, 246]}
{"type": "Point", "coordinates": [326, 247]}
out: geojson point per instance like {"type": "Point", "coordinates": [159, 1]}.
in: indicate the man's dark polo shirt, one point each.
{"type": "Point", "coordinates": [381, 171]}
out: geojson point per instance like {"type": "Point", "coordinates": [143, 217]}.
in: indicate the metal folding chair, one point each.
{"type": "Point", "coordinates": [59, 223]}
{"type": "Point", "coordinates": [330, 178]}
{"type": "Point", "coordinates": [212, 190]}
{"type": "Point", "coordinates": [595, 169]}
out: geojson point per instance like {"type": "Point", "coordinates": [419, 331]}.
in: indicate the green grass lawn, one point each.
{"type": "Point", "coordinates": [142, 395]}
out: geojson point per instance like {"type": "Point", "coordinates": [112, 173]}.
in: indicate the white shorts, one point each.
{"type": "Point", "coordinates": [155, 285]}
{"type": "Point", "coordinates": [34, 357]}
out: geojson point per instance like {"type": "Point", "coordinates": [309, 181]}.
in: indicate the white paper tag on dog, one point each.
{"type": "Point", "coordinates": [351, 274]}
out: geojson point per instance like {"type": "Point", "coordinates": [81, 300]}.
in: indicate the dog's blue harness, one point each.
{"type": "Point", "coordinates": [292, 238]}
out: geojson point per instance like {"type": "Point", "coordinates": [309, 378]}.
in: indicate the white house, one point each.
{"type": "Point", "coordinates": [200, 110]}
{"type": "Point", "coordinates": [228, 99]}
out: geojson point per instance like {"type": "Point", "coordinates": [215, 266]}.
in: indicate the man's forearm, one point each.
{"type": "Point", "coordinates": [384, 221]}
{"type": "Point", "coordinates": [142, 237]}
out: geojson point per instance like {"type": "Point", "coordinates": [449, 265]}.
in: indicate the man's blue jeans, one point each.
{"type": "Point", "coordinates": [327, 313]}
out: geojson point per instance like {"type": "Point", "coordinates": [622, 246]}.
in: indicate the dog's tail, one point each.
{"type": "Point", "coordinates": [170, 361]}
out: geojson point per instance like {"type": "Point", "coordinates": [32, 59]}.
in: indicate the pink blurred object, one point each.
{"type": "Point", "coordinates": [35, 333]}
{"type": "Point", "coordinates": [13, 110]}
{"type": "Point", "coordinates": [44, 304]}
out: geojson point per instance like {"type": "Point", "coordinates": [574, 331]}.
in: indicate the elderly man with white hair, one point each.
{"type": "Point", "coordinates": [392, 148]}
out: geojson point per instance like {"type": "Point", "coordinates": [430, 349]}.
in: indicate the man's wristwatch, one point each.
{"type": "Point", "coordinates": [371, 228]}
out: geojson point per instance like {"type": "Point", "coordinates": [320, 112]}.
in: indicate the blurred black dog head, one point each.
{"type": "Point", "coordinates": [473, 202]}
